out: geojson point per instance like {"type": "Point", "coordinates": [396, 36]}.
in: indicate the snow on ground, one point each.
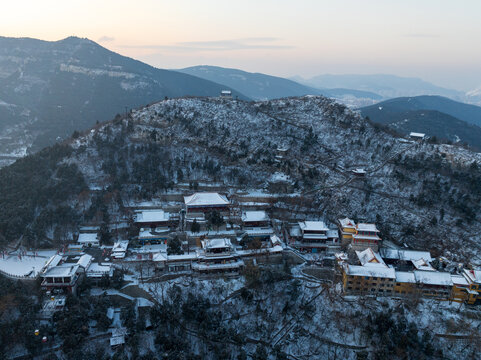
{"type": "Point", "coordinates": [216, 289]}
{"type": "Point", "coordinates": [24, 264]}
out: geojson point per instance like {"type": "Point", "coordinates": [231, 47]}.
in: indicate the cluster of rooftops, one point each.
{"type": "Point", "coordinates": [64, 269]}
{"type": "Point", "coordinates": [403, 271]}
{"type": "Point", "coordinates": [224, 248]}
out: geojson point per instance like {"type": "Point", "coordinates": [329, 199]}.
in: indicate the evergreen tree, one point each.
{"type": "Point", "coordinates": [215, 219]}
{"type": "Point", "coordinates": [174, 247]}
{"type": "Point", "coordinates": [195, 228]}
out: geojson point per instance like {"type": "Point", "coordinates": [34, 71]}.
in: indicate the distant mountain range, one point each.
{"type": "Point", "coordinates": [433, 115]}
{"type": "Point", "coordinates": [388, 86]}
{"type": "Point", "coordinates": [266, 87]}
{"type": "Point", "coordinates": [49, 89]}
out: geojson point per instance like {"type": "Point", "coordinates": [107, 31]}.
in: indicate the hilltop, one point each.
{"type": "Point", "coordinates": [421, 194]}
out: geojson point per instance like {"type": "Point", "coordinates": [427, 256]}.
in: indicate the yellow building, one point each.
{"type": "Point", "coordinates": [460, 291]}
{"type": "Point", "coordinates": [473, 277]}
{"type": "Point", "coordinates": [365, 237]}
{"type": "Point", "coordinates": [373, 276]}
{"type": "Point", "coordinates": [347, 228]}
{"type": "Point", "coordinates": [405, 283]}
{"type": "Point", "coordinates": [434, 284]}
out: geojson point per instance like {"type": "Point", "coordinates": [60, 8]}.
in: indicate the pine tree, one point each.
{"type": "Point", "coordinates": [174, 247]}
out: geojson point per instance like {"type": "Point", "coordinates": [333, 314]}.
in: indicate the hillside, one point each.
{"type": "Point", "coordinates": [388, 86]}
{"type": "Point", "coordinates": [432, 122]}
{"type": "Point", "coordinates": [466, 112]}
{"type": "Point", "coordinates": [50, 89]}
{"type": "Point", "coordinates": [433, 115]}
{"type": "Point", "coordinates": [260, 86]}
{"type": "Point", "coordinates": [424, 195]}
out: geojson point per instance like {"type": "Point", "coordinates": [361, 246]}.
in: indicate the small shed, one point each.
{"type": "Point", "coordinates": [417, 136]}
{"type": "Point", "coordinates": [359, 172]}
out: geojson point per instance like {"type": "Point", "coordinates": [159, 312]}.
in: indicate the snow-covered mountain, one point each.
{"type": "Point", "coordinates": [50, 89]}
{"type": "Point", "coordinates": [425, 195]}
{"type": "Point", "coordinates": [388, 86]}
{"type": "Point", "coordinates": [474, 96]}
{"type": "Point", "coordinates": [260, 86]}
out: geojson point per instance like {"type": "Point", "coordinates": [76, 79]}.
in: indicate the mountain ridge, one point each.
{"type": "Point", "coordinates": [387, 85]}
{"type": "Point", "coordinates": [260, 86]}
{"type": "Point", "coordinates": [51, 88]}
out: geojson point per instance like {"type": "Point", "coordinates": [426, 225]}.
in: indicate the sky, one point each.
{"type": "Point", "coordinates": [437, 40]}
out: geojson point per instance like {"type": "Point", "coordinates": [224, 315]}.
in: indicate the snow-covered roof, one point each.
{"type": "Point", "coordinates": [62, 270]}
{"type": "Point", "coordinates": [87, 238]}
{"type": "Point", "coordinates": [275, 240]}
{"type": "Point", "coordinates": [473, 275]}
{"type": "Point", "coordinates": [147, 233]}
{"type": "Point", "coordinates": [159, 257]}
{"type": "Point", "coordinates": [85, 261]}
{"type": "Point", "coordinates": [191, 256]}
{"type": "Point", "coordinates": [405, 277]}
{"type": "Point", "coordinates": [97, 270]}
{"type": "Point", "coordinates": [120, 246]}
{"type": "Point", "coordinates": [417, 135]}
{"type": "Point", "coordinates": [332, 234]}
{"type": "Point", "coordinates": [459, 280]}
{"type": "Point", "coordinates": [366, 237]}
{"type": "Point", "coordinates": [252, 216]}
{"type": "Point", "coordinates": [259, 231]}
{"type": "Point", "coordinates": [347, 223]}
{"type": "Point", "coordinates": [366, 227]}
{"type": "Point", "coordinates": [422, 264]}
{"type": "Point", "coordinates": [295, 231]}
{"type": "Point", "coordinates": [359, 171]}
{"type": "Point", "coordinates": [369, 258]}
{"type": "Point", "coordinates": [54, 261]}
{"type": "Point", "coordinates": [206, 199]}
{"type": "Point", "coordinates": [313, 226]}
{"type": "Point", "coordinates": [143, 302]}
{"type": "Point", "coordinates": [433, 278]}
{"type": "Point", "coordinates": [117, 340]}
{"type": "Point", "coordinates": [316, 236]}
{"type": "Point", "coordinates": [405, 254]}
{"type": "Point", "coordinates": [216, 243]}
{"type": "Point", "coordinates": [150, 216]}
{"type": "Point", "coordinates": [371, 271]}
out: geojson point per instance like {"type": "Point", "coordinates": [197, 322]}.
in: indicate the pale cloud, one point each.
{"type": "Point", "coordinates": [252, 43]}
{"type": "Point", "coordinates": [105, 38]}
